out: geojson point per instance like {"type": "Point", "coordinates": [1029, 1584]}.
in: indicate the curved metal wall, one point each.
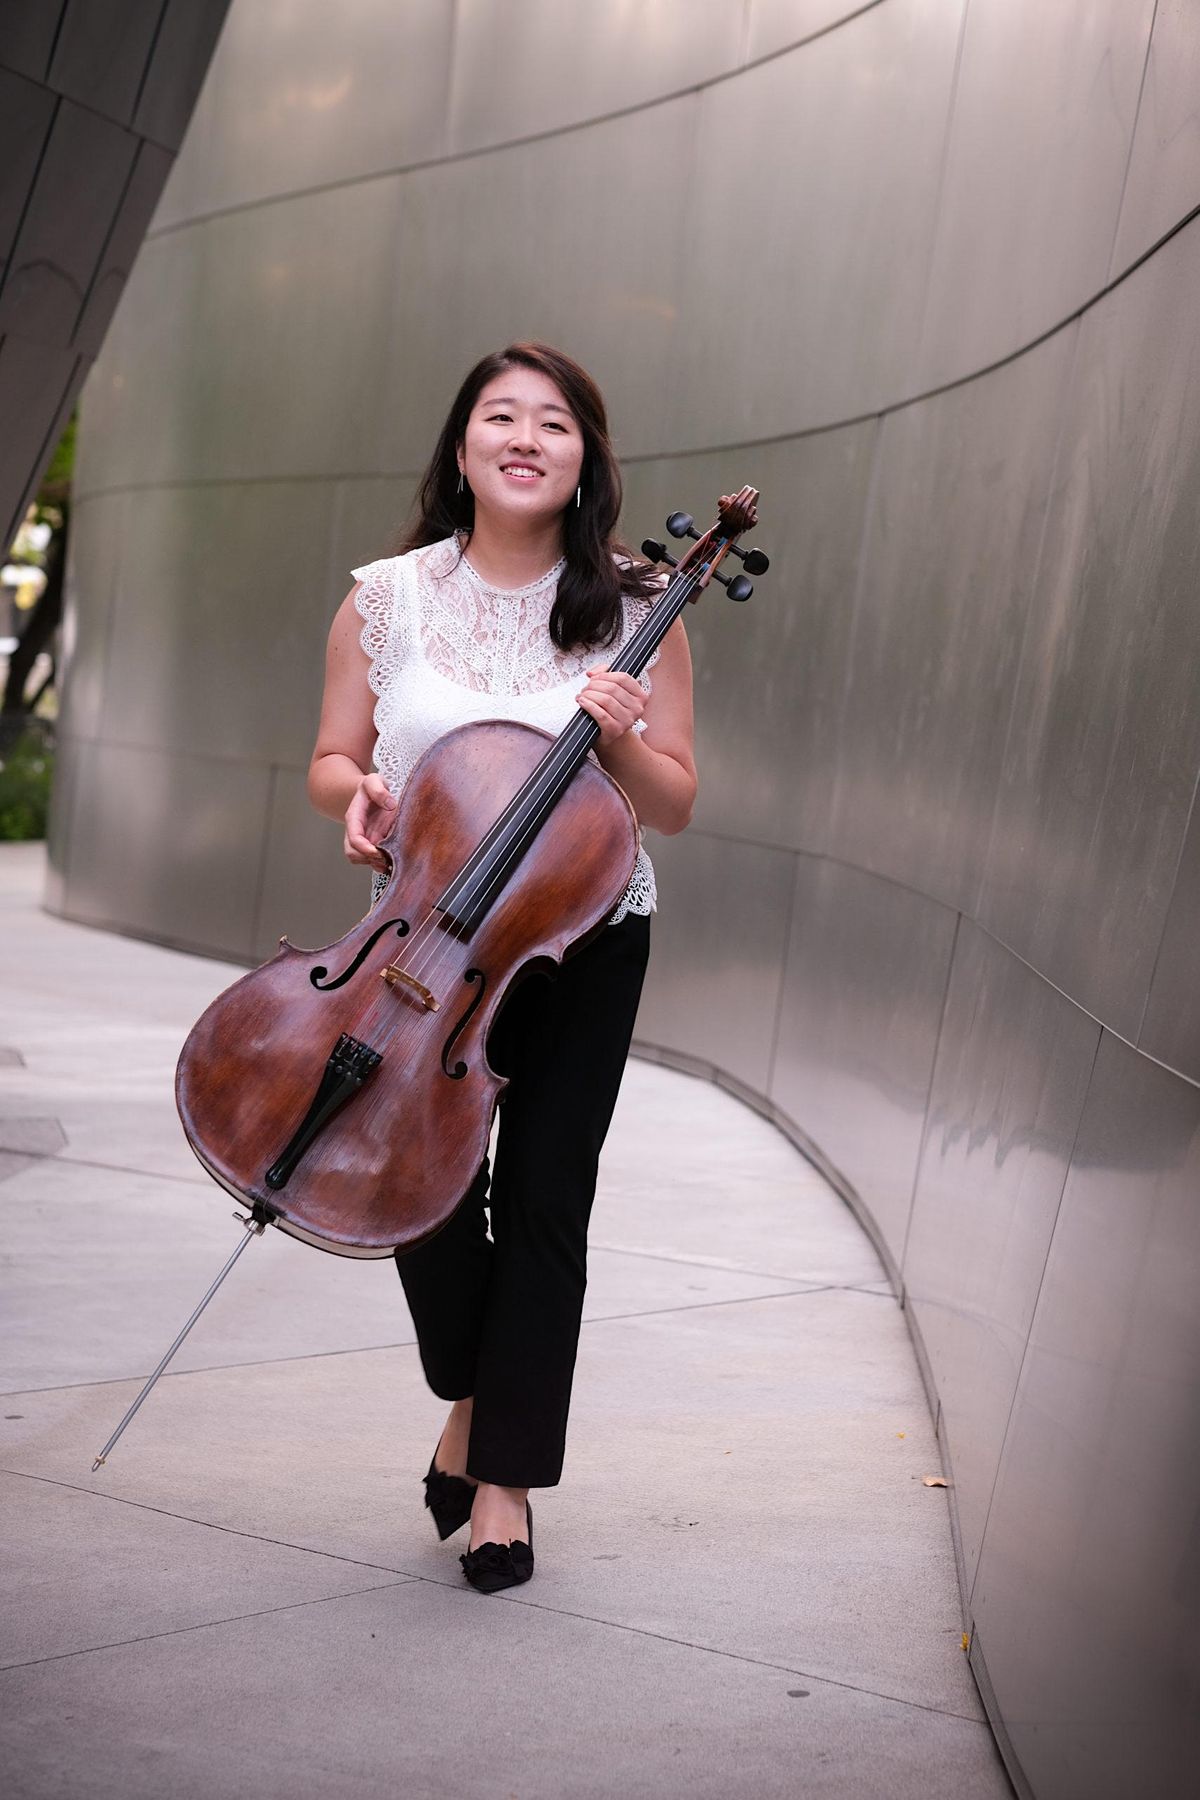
{"type": "Point", "coordinates": [94, 98]}
{"type": "Point", "coordinates": [924, 271]}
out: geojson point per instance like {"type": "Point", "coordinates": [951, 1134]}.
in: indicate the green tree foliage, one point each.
{"type": "Point", "coordinates": [26, 739]}
{"type": "Point", "coordinates": [52, 507]}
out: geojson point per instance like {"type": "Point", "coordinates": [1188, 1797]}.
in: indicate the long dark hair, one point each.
{"type": "Point", "coordinates": [600, 570]}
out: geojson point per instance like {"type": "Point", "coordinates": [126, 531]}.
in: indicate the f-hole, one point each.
{"type": "Point", "coordinates": [473, 977]}
{"type": "Point", "coordinates": [317, 977]}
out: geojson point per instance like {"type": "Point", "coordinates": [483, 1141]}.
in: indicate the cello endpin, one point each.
{"type": "Point", "coordinates": [253, 1229]}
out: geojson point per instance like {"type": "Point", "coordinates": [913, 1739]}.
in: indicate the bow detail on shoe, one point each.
{"type": "Point", "coordinates": [449, 1498]}
{"type": "Point", "coordinates": [488, 1559]}
{"type": "Point", "coordinates": [443, 1490]}
{"type": "Point", "coordinates": [494, 1566]}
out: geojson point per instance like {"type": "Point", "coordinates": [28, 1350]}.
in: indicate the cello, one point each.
{"type": "Point", "coordinates": [344, 1095]}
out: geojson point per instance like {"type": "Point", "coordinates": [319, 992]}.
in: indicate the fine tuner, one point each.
{"type": "Point", "coordinates": [682, 525]}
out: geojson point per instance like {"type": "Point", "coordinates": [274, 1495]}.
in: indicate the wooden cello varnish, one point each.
{"type": "Point", "coordinates": [344, 1094]}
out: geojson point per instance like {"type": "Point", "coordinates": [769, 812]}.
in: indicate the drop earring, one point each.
{"type": "Point", "coordinates": [578, 492]}
{"type": "Point", "coordinates": [460, 481]}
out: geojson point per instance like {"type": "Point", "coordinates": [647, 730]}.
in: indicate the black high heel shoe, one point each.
{"type": "Point", "coordinates": [495, 1566]}
{"type": "Point", "coordinates": [449, 1498]}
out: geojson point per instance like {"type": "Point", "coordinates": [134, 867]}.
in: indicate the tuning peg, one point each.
{"type": "Point", "coordinates": [681, 525]}
{"type": "Point", "coordinates": [736, 586]}
{"type": "Point", "coordinates": [754, 561]}
{"type": "Point", "coordinates": [657, 552]}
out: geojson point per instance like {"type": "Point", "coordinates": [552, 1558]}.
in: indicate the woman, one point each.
{"type": "Point", "coordinates": [509, 598]}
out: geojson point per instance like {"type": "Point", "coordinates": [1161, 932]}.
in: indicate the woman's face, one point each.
{"type": "Point", "coordinates": [522, 452]}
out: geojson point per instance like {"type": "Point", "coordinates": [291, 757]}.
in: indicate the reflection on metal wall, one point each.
{"type": "Point", "coordinates": [936, 912]}
{"type": "Point", "coordinates": [94, 98]}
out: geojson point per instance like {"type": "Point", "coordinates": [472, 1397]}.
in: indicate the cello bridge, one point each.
{"type": "Point", "coordinates": [408, 984]}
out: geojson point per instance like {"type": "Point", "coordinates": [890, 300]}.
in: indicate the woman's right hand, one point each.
{"type": "Point", "coordinates": [369, 817]}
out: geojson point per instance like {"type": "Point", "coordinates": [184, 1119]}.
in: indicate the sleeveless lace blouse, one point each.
{"type": "Point", "coordinates": [446, 648]}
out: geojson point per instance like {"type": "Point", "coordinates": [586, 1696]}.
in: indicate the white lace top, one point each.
{"type": "Point", "coordinates": [447, 648]}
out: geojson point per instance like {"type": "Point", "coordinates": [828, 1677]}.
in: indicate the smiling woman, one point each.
{"type": "Point", "coordinates": [530, 407]}
{"type": "Point", "coordinates": [509, 598]}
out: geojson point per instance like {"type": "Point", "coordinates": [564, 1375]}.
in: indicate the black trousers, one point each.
{"type": "Point", "coordinates": [498, 1318]}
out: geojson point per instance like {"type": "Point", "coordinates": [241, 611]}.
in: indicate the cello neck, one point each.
{"type": "Point", "coordinates": [475, 887]}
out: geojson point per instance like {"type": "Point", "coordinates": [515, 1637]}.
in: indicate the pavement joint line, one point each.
{"type": "Point", "coordinates": [255, 1537]}
{"type": "Point", "coordinates": [690, 1262]}
{"type": "Point", "coordinates": [790, 1293]}
{"type": "Point", "coordinates": [91, 1162]}
{"type": "Point", "coordinates": [408, 1579]}
{"type": "Point", "coordinates": [721, 1268]}
{"type": "Point", "coordinates": [727, 1268]}
{"type": "Point", "coordinates": [270, 1362]}
{"type": "Point", "coordinates": [260, 1362]}
{"type": "Point", "coordinates": [758, 1662]}
{"type": "Point", "coordinates": [150, 1637]}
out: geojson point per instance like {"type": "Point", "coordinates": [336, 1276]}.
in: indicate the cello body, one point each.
{"type": "Point", "coordinates": [410, 988]}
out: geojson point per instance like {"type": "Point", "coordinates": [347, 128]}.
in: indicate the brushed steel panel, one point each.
{"type": "Point", "coordinates": [712, 990]}
{"type": "Point", "coordinates": [187, 188]}
{"type": "Point", "coordinates": [30, 28]}
{"type": "Point", "coordinates": [608, 299]}
{"type": "Point", "coordinates": [304, 95]}
{"type": "Point", "coordinates": [101, 53]}
{"type": "Point", "coordinates": [543, 65]}
{"type": "Point", "coordinates": [26, 111]}
{"type": "Point", "coordinates": [811, 225]}
{"type": "Point", "coordinates": [775, 24]}
{"type": "Point", "coordinates": [219, 623]}
{"type": "Point", "coordinates": [310, 893]}
{"type": "Point", "coordinates": [948, 564]}
{"type": "Point", "coordinates": [863, 987]}
{"type": "Point", "coordinates": [769, 675]}
{"type": "Point", "coordinates": [102, 428]}
{"type": "Point", "coordinates": [1171, 1026]}
{"type": "Point", "coordinates": [33, 379]}
{"type": "Point", "coordinates": [317, 285]}
{"type": "Point", "coordinates": [125, 238]}
{"type": "Point", "coordinates": [367, 518]}
{"type": "Point", "coordinates": [144, 400]}
{"type": "Point", "coordinates": [1085, 1601]}
{"type": "Point", "coordinates": [60, 825]}
{"type": "Point", "coordinates": [183, 49]}
{"type": "Point", "coordinates": [59, 398]}
{"type": "Point", "coordinates": [100, 532]}
{"type": "Point", "coordinates": [1104, 744]}
{"type": "Point", "coordinates": [202, 369]}
{"type": "Point", "coordinates": [74, 199]}
{"type": "Point", "coordinates": [167, 846]}
{"type": "Point", "coordinates": [1013, 1063]}
{"type": "Point", "coordinates": [1043, 120]}
{"type": "Point", "coordinates": [1163, 183]}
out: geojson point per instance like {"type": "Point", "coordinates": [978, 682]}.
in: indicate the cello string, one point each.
{"type": "Point", "coordinates": [506, 831]}
{"type": "Point", "coordinates": [428, 955]}
{"type": "Point", "coordinates": [504, 834]}
{"type": "Point", "coordinates": [513, 823]}
{"type": "Point", "coordinates": [524, 805]}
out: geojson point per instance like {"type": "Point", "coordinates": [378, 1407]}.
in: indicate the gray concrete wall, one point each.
{"type": "Point", "coordinates": [925, 272]}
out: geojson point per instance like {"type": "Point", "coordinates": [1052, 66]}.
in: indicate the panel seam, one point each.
{"type": "Point", "coordinates": [533, 137]}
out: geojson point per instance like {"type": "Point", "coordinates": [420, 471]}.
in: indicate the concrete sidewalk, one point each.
{"type": "Point", "coordinates": [742, 1586]}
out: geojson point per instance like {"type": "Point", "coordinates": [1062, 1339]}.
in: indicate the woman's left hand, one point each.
{"type": "Point", "coordinates": [615, 700]}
